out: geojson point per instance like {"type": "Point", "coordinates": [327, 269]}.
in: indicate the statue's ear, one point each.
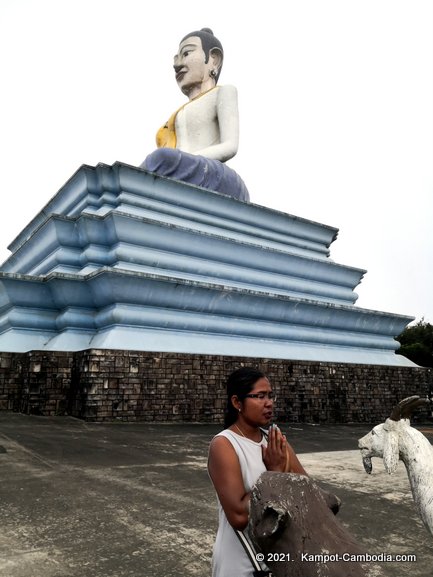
{"type": "Point", "coordinates": [216, 56]}
{"type": "Point", "coordinates": [273, 521]}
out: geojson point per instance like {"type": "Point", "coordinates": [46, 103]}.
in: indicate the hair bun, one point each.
{"type": "Point", "coordinates": [208, 30]}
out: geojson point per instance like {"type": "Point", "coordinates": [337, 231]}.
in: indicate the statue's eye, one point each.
{"type": "Point", "coordinates": [186, 53]}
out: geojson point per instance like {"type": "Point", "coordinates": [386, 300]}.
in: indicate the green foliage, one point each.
{"type": "Point", "coordinates": [417, 343]}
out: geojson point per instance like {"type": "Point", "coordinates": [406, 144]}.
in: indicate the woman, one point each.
{"type": "Point", "coordinates": [237, 457]}
{"type": "Point", "coordinates": [203, 134]}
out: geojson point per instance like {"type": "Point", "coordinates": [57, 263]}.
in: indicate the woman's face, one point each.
{"type": "Point", "coordinates": [255, 410]}
{"type": "Point", "coordinates": [189, 65]}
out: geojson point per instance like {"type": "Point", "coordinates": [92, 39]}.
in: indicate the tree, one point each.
{"type": "Point", "coordinates": [417, 343]}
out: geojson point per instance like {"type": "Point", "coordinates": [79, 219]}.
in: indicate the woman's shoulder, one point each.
{"type": "Point", "coordinates": [236, 440]}
{"type": "Point", "coordinates": [223, 444]}
{"type": "Point", "coordinates": [225, 438]}
{"type": "Point", "coordinates": [226, 433]}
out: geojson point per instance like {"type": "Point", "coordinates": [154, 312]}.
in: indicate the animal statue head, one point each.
{"type": "Point", "coordinates": [292, 523]}
{"type": "Point", "coordinates": [383, 440]}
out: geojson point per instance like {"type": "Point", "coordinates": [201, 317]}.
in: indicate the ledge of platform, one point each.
{"type": "Point", "coordinates": [114, 308]}
{"type": "Point", "coordinates": [104, 188]}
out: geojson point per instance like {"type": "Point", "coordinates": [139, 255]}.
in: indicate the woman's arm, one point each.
{"type": "Point", "coordinates": [294, 465]}
{"type": "Point", "coordinates": [225, 472]}
{"type": "Point", "coordinates": [228, 122]}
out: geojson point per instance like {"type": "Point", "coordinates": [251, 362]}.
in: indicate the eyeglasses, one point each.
{"type": "Point", "coordinates": [262, 396]}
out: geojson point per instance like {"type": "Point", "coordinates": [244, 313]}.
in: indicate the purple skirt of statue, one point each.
{"type": "Point", "coordinates": [205, 172]}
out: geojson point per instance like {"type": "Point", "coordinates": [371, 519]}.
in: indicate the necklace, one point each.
{"type": "Point", "coordinates": [242, 433]}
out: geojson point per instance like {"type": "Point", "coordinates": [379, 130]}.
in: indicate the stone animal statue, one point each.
{"type": "Point", "coordinates": [395, 439]}
{"type": "Point", "coordinates": [292, 524]}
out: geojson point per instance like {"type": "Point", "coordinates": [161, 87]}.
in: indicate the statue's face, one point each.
{"type": "Point", "coordinates": [189, 65]}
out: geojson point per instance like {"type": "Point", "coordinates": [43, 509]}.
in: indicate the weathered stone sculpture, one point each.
{"type": "Point", "coordinates": [292, 524]}
{"type": "Point", "coordinates": [202, 134]}
{"type": "Point", "coordinates": [396, 440]}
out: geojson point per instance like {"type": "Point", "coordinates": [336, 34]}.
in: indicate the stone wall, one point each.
{"type": "Point", "coordinates": [35, 383]}
{"type": "Point", "coordinates": [106, 385]}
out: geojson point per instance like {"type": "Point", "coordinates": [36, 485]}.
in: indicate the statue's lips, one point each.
{"type": "Point", "coordinates": [180, 74]}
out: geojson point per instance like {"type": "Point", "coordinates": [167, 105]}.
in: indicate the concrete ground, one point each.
{"type": "Point", "coordinates": [134, 500]}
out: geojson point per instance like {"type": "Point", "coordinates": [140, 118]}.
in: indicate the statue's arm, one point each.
{"type": "Point", "coordinates": [228, 121]}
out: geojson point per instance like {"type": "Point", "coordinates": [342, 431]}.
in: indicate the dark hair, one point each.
{"type": "Point", "coordinates": [240, 383]}
{"type": "Point", "coordinates": [208, 42]}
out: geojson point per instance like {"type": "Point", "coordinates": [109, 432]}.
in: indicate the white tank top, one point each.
{"type": "Point", "coordinates": [229, 557]}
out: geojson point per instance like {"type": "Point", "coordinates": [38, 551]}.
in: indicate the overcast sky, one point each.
{"type": "Point", "coordinates": [336, 107]}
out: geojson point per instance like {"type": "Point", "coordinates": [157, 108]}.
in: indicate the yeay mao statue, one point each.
{"type": "Point", "coordinates": [203, 134]}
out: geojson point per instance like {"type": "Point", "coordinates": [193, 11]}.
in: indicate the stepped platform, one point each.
{"type": "Point", "coordinates": [121, 258]}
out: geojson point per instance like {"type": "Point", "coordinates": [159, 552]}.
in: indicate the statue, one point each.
{"type": "Point", "coordinates": [292, 523]}
{"type": "Point", "coordinates": [396, 440]}
{"type": "Point", "coordinates": [202, 134]}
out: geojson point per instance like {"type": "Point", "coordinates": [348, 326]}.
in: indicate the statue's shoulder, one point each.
{"type": "Point", "coordinates": [227, 93]}
{"type": "Point", "coordinates": [227, 89]}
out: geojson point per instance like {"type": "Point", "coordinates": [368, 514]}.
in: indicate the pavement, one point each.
{"type": "Point", "coordinates": [134, 500]}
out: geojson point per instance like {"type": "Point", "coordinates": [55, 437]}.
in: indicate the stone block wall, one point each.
{"type": "Point", "coordinates": [130, 386]}
{"type": "Point", "coordinates": [107, 385]}
{"type": "Point", "coordinates": [11, 378]}
{"type": "Point", "coordinates": [35, 383]}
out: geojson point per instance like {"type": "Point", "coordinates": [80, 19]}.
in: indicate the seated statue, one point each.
{"type": "Point", "coordinates": [202, 134]}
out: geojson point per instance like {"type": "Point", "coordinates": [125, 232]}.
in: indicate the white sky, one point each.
{"type": "Point", "coordinates": [336, 104]}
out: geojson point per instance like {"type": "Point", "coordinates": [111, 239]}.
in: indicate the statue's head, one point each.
{"type": "Point", "coordinates": [199, 60]}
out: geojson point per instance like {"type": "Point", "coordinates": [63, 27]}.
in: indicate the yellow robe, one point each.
{"type": "Point", "coordinates": [166, 135]}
